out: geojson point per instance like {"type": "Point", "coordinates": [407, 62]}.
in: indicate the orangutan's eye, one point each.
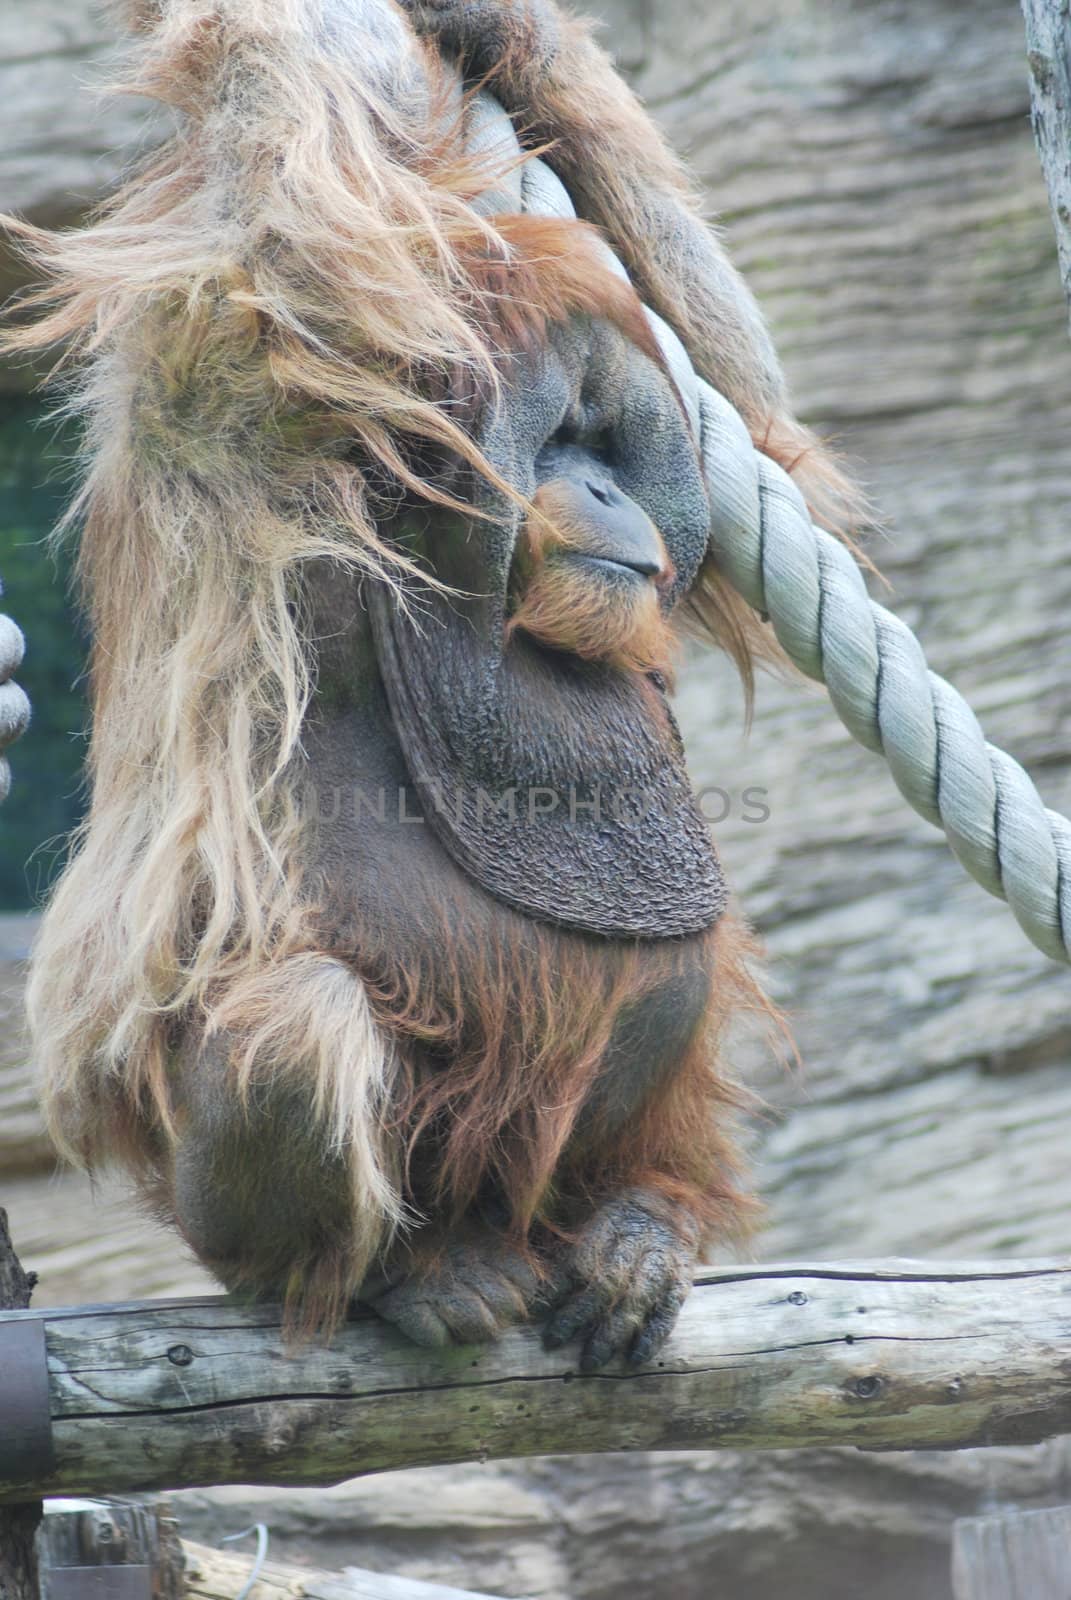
{"type": "Point", "coordinates": [574, 433]}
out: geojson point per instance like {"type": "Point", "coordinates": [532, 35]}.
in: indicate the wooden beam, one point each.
{"type": "Point", "coordinates": [211, 1575]}
{"type": "Point", "coordinates": [1048, 41]}
{"type": "Point", "coordinates": [887, 1356]}
{"type": "Point", "coordinates": [1021, 1555]}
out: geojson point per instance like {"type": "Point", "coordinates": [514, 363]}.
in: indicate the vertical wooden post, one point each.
{"type": "Point", "coordinates": [123, 1549]}
{"type": "Point", "coordinates": [1048, 42]}
{"type": "Point", "coordinates": [1023, 1555]}
{"type": "Point", "coordinates": [18, 1524]}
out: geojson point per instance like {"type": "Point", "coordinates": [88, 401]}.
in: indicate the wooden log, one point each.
{"type": "Point", "coordinates": [213, 1575]}
{"type": "Point", "coordinates": [1048, 40]}
{"type": "Point", "coordinates": [887, 1356]}
{"type": "Point", "coordinates": [1022, 1555]}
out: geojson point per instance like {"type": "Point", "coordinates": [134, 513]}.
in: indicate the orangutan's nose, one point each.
{"type": "Point", "coordinates": [616, 530]}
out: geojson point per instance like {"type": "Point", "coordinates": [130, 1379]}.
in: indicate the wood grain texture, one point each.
{"type": "Point", "coordinates": [1022, 1555]}
{"type": "Point", "coordinates": [885, 1356]}
{"type": "Point", "coordinates": [1048, 38]}
{"type": "Point", "coordinates": [213, 1575]}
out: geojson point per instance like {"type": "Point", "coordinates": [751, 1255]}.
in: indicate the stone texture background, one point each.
{"type": "Point", "coordinates": [872, 163]}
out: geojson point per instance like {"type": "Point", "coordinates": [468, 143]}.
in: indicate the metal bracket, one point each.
{"type": "Point", "coordinates": [27, 1450]}
{"type": "Point", "coordinates": [101, 1550]}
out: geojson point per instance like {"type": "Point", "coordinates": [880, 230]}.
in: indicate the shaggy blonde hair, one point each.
{"type": "Point", "coordinates": [254, 325]}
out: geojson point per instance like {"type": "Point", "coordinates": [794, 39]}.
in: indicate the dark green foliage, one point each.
{"type": "Point", "coordinates": [46, 794]}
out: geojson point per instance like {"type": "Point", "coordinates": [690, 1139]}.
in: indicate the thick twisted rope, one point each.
{"type": "Point", "coordinates": [14, 706]}
{"type": "Point", "coordinates": [811, 589]}
{"type": "Point", "coordinates": [873, 666]}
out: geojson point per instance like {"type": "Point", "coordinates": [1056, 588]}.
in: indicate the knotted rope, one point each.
{"type": "Point", "coordinates": [811, 589]}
